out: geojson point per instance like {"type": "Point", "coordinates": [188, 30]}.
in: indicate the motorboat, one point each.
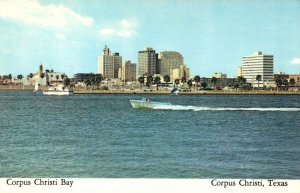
{"type": "Point", "coordinates": [59, 90]}
{"type": "Point", "coordinates": [146, 103]}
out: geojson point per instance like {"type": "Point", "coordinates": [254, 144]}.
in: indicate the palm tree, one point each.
{"type": "Point", "coordinates": [42, 75]}
{"type": "Point", "coordinates": [67, 82]}
{"type": "Point", "coordinates": [241, 80]}
{"type": "Point", "coordinates": [30, 75]}
{"type": "Point", "coordinates": [92, 81]}
{"type": "Point", "coordinates": [176, 81]}
{"type": "Point", "coordinates": [167, 78]}
{"type": "Point", "coordinates": [141, 80]}
{"type": "Point", "coordinates": [236, 86]}
{"type": "Point", "coordinates": [278, 83]}
{"type": "Point", "coordinates": [98, 79]}
{"type": "Point", "coordinates": [62, 76]}
{"type": "Point", "coordinates": [258, 78]}
{"type": "Point", "coordinates": [87, 83]}
{"type": "Point", "coordinates": [149, 80]}
{"type": "Point", "coordinates": [190, 83]}
{"type": "Point", "coordinates": [204, 85]}
{"type": "Point", "coordinates": [214, 81]}
{"type": "Point", "coordinates": [197, 79]}
{"type": "Point", "coordinates": [183, 79]}
{"type": "Point", "coordinates": [292, 82]}
{"type": "Point", "coordinates": [10, 76]}
{"type": "Point", "coordinates": [285, 83]}
{"type": "Point", "coordinates": [157, 81]}
{"type": "Point", "coordinates": [20, 76]}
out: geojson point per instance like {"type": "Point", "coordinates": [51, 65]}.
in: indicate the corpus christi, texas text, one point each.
{"type": "Point", "coordinates": [247, 182]}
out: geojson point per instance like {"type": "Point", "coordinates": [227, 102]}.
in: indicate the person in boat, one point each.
{"type": "Point", "coordinates": [146, 100]}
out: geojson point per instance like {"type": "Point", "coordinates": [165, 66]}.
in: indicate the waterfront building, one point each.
{"type": "Point", "coordinates": [257, 64]}
{"type": "Point", "coordinates": [54, 78]}
{"type": "Point", "coordinates": [281, 75]}
{"type": "Point", "coordinates": [147, 62]}
{"type": "Point", "coordinates": [81, 77]}
{"type": "Point", "coordinates": [128, 71]}
{"type": "Point", "coordinates": [109, 63]}
{"type": "Point", "coordinates": [221, 82]}
{"type": "Point", "coordinates": [218, 75]}
{"type": "Point", "coordinates": [296, 78]}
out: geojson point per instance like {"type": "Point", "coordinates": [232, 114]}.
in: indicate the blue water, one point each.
{"type": "Point", "coordinates": [103, 136]}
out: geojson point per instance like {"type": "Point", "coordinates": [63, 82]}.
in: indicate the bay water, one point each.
{"type": "Point", "coordinates": [102, 136]}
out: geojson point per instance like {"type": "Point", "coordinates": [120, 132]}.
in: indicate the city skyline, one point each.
{"type": "Point", "coordinates": [212, 36]}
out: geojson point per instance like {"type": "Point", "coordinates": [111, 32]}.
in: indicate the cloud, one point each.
{"type": "Point", "coordinates": [60, 36]}
{"type": "Point", "coordinates": [295, 61]}
{"type": "Point", "coordinates": [122, 28]}
{"type": "Point", "coordinates": [31, 12]}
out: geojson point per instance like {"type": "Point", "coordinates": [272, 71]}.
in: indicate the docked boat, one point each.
{"type": "Point", "coordinates": [147, 104]}
{"type": "Point", "coordinates": [59, 90]}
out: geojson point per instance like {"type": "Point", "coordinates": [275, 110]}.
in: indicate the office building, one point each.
{"type": "Point", "coordinates": [258, 64]}
{"type": "Point", "coordinates": [109, 63]}
{"type": "Point", "coordinates": [147, 62]}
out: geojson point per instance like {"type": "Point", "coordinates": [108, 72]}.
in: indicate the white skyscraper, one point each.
{"type": "Point", "coordinates": [257, 64]}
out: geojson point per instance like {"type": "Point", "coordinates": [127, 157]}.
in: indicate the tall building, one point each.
{"type": "Point", "coordinates": [147, 62]}
{"type": "Point", "coordinates": [109, 64]}
{"type": "Point", "coordinates": [258, 64]}
{"type": "Point", "coordinates": [239, 71]}
{"type": "Point", "coordinates": [128, 71]}
{"type": "Point", "coordinates": [169, 60]}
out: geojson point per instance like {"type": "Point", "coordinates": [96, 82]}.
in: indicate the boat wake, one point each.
{"type": "Point", "coordinates": [195, 108]}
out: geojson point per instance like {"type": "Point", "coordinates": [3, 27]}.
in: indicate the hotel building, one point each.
{"type": "Point", "coordinates": [109, 64]}
{"type": "Point", "coordinates": [169, 60]}
{"type": "Point", "coordinates": [147, 62]}
{"type": "Point", "coordinates": [171, 63]}
{"type": "Point", "coordinates": [258, 64]}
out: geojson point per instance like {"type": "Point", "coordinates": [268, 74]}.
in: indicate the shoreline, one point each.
{"type": "Point", "coordinates": [192, 93]}
{"type": "Point", "coordinates": [154, 92]}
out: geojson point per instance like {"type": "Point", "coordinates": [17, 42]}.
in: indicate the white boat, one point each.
{"type": "Point", "coordinates": [36, 87]}
{"type": "Point", "coordinates": [147, 104]}
{"type": "Point", "coordinates": [59, 90]}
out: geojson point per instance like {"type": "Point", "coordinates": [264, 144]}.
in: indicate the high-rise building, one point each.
{"type": "Point", "coordinates": [128, 71]}
{"type": "Point", "coordinates": [147, 62]}
{"type": "Point", "coordinates": [257, 64]}
{"type": "Point", "coordinates": [109, 64]}
{"type": "Point", "coordinates": [169, 60]}
{"type": "Point", "coordinates": [239, 71]}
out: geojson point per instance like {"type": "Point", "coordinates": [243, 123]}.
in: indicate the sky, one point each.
{"type": "Point", "coordinates": [212, 35]}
